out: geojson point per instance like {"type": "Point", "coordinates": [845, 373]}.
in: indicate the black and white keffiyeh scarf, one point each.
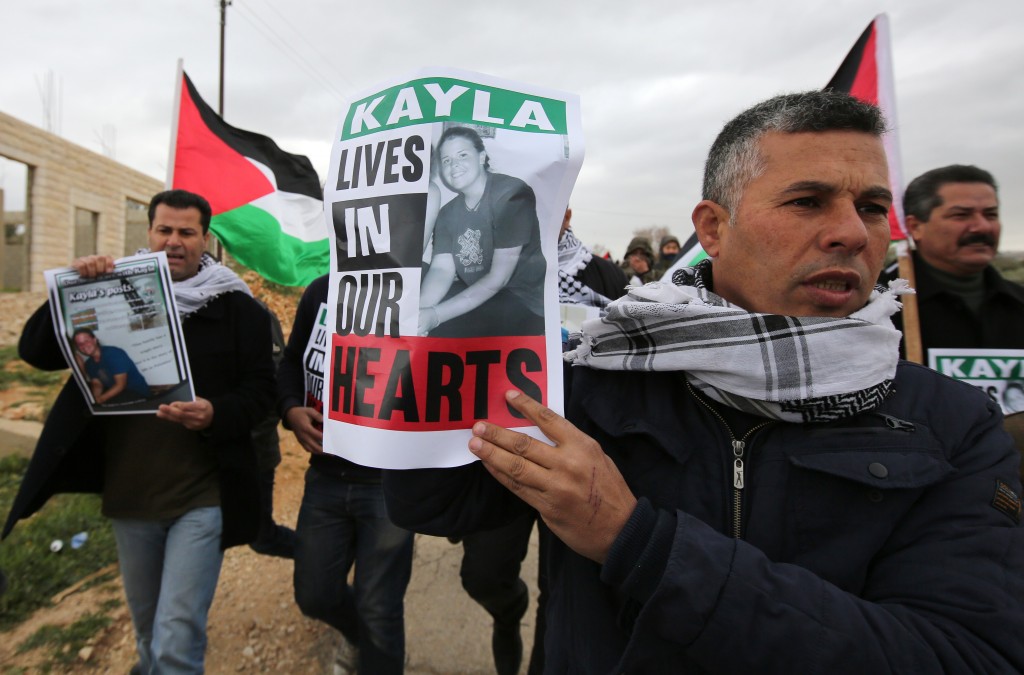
{"type": "Point", "coordinates": [573, 258]}
{"type": "Point", "coordinates": [796, 369]}
{"type": "Point", "coordinates": [213, 279]}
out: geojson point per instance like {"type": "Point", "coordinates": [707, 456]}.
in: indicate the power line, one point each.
{"type": "Point", "coordinates": [324, 57]}
{"type": "Point", "coordinates": [271, 35]}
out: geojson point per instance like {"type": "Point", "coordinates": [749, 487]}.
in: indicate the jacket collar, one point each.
{"type": "Point", "coordinates": [927, 286]}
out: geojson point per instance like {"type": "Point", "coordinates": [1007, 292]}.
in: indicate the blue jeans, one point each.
{"type": "Point", "coordinates": [341, 524]}
{"type": "Point", "coordinates": [170, 570]}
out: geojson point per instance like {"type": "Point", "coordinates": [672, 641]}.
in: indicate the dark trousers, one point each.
{"type": "Point", "coordinates": [491, 561]}
{"type": "Point", "coordinates": [342, 524]}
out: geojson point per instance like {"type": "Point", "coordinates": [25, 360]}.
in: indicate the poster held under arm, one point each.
{"type": "Point", "coordinates": [121, 335]}
{"type": "Point", "coordinates": [444, 200]}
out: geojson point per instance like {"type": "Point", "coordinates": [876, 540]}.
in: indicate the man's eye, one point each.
{"type": "Point", "coordinates": [804, 202]}
{"type": "Point", "coordinates": [875, 209]}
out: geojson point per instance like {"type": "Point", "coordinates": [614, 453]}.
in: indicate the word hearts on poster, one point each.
{"type": "Point", "coordinates": [432, 384]}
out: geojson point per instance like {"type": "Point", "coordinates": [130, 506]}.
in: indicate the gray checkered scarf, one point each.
{"type": "Point", "coordinates": [210, 281]}
{"type": "Point", "coordinates": [796, 369]}
{"type": "Point", "coordinates": [573, 258]}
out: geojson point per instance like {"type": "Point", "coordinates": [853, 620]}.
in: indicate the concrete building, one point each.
{"type": "Point", "coordinates": [78, 202]}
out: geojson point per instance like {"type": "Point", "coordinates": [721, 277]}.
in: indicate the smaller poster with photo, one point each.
{"type": "Point", "coordinates": [997, 372]}
{"type": "Point", "coordinates": [121, 335]}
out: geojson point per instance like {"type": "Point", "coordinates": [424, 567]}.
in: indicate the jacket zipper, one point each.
{"type": "Point", "coordinates": [738, 467]}
{"type": "Point", "coordinates": [896, 423]}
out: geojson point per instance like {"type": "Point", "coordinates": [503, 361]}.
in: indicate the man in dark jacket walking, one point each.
{"type": "Point", "coordinates": [180, 486]}
{"type": "Point", "coordinates": [748, 480]}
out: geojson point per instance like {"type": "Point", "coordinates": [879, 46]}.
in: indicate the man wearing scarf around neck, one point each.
{"type": "Point", "coordinates": [749, 481]}
{"type": "Point", "coordinates": [180, 486]}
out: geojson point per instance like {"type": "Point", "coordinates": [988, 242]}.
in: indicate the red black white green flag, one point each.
{"type": "Point", "coordinates": [866, 73]}
{"type": "Point", "coordinates": [267, 203]}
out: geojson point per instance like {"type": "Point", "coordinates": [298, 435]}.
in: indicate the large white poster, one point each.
{"type": "Point", "coordinates": [444, 199]}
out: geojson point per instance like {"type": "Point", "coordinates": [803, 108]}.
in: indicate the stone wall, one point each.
{"type": "Point", "coordinates": [62, 178]}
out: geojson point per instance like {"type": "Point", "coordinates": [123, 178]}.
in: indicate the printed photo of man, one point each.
{"type": "Point", "coordinates": [113, 376]}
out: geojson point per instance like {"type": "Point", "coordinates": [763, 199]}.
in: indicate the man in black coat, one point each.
{"type": "Point", "coordinates": [180, 486]}
{"type": "Point", "coordinates": [748, 479]}
{"type": "Point", "coordinates": [964, 303]}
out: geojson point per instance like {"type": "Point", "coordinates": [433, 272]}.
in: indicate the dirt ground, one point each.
{"type": "Point", "coordinates": [254, 623]}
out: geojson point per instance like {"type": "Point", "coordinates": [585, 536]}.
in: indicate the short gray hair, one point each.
{"type": "Point", "coordinates": [735, 158]}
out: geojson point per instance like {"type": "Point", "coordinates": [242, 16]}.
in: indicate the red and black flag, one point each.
{"type": "Point", "coordinates": [866, 73]}
{"type": "Point", "coordinates": [267, 203]}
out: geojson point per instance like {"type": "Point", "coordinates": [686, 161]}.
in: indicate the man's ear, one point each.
{"type": "Point", "coordinates": [915, 226]}
{"type": "Point", "coordinates": [708, 220]}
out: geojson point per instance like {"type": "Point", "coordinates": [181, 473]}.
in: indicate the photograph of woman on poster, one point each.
{"type": "Point", "coordinates": [486, 273]}
{"type": "Point", "coordinates": [111, 373]}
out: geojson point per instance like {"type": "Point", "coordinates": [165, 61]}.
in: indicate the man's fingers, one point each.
{"type": "Point", "coordinates": [510, 442]}
{"type": "Point", "coordinates": [518, 473]}
{"type": "Point", "coordinates": [554, 426]}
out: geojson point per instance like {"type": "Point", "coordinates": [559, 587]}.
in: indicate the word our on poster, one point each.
{"type": "Point", "coordinates": [121, 335]}
{"type": "Point", "coordinates": [997, 372]}
{"type": "Point", "coordinates": [443, 201]}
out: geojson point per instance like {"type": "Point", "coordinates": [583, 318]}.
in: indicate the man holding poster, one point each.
{"type": "Point", "coordinates": [179, 486]}
{"type": "Point", "coordinates": [749, 480]}
{"type": "Point", "coordinates": [342, 521]}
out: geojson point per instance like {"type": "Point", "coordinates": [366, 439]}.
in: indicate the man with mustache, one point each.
{"type": "Point", "coordinates": [953, 215]}
{"type": "Point", "coordinates": [747, 479]}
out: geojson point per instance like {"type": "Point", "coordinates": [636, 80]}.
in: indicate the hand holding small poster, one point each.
{"type": "Point", "coordinates": [121, 335]}
{"type": "Point", "coordinates": [444, 199]}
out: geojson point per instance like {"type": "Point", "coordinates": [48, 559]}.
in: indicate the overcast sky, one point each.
{"type": "Point", "coordinates": [657, 79]}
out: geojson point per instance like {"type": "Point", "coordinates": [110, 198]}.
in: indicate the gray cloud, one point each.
{"type": "Point", "coordinates": [656, 79]}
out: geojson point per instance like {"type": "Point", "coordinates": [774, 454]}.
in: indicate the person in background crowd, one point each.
{"type": "Point", "coordinates": [638, 264]}
{"type": "Point", "coordinates": [273, 539]}
{"type": "Point", "coordinates": [342, 521]}
{"type": "Point", "coordinates": [668, 251]}
{"type": "Point", "coordinates": [953, 215]}
{"type": "Point", "coordinates": [584, 278]}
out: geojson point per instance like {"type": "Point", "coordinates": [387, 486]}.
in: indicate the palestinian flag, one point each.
{"type": "Point", "coordinates": [267, 204]}
{"type": "Point", "coordinates": [866, 73]}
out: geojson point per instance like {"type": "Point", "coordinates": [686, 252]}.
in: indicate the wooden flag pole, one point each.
{"type": "Point", "coordinates": [911, 318]}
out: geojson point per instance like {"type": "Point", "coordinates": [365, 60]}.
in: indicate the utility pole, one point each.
{"type": "Point", "coordinates": [218, 249]}
{"type": "Point", "coordinates": [223, 26]}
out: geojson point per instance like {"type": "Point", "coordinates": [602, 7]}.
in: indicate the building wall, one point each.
{"type": "Point", "coordinates": [64, 177]}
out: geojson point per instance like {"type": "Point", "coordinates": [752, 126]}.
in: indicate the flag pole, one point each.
{"type": "Point", "coordinates": [912, 347]}
{"type": "Point", "coordinates": [171, 154]}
